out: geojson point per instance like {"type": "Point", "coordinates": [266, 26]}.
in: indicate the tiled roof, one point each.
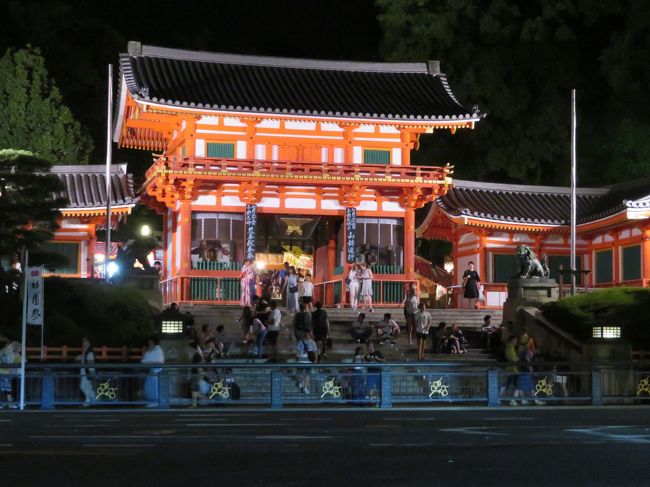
{"type": "Point", "coordinates": [539, 205]}
{"type": "Point", "coordinates": [86, 185]}
{"type": "Point", "coordinates": [238, 83]}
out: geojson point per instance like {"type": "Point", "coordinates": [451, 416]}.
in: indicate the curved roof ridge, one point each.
{"type": "Point", "coordinates": [136, 49]}
{"type": "Point", "coordinates": [524, 188]}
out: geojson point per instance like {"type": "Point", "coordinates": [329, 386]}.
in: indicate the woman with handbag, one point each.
{"type": "Point", "coordinates": [291, 284]}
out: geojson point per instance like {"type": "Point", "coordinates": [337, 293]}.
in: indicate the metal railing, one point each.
{"type": "Point", "coordinates": [366, 385]}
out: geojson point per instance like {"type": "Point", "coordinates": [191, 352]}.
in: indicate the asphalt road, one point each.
{"type": "Point", "coordinates": [522, 447]}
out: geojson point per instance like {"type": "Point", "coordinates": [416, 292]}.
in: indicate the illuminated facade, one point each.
{"type": "Point", "coordinates": [276, 159]}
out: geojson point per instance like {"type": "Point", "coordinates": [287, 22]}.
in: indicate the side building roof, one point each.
{"type": "Point", "coordinates": [536, 205]}
{"type": "Point", "coordinates": [86, 186]}
{"type": "Point", "coordinates": [241, 83]}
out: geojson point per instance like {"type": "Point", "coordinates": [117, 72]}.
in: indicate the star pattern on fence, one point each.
{"type": "Point", "coordinates": [331, 389]}
{"type": "Point", "coordinates": [438, 388]}
{"type": "Point", "coordinates": [643, 386]}
{"type": "Point", "coordinates": [543, 386]}
{"type": "Point", "coordinates": [105, 390]}
{"type": "Point", "coordinates": [219, 389]}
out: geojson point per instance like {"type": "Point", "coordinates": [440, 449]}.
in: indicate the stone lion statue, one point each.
{"type": "Point", "coordinates": [529, 264]}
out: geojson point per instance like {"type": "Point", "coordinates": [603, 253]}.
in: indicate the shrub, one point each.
{"type": "Point", "coordinates": [108, 314]}
{"type": "Point", "coordinates": [626, 307]}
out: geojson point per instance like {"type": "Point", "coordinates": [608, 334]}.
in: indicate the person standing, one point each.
{"type": "Point", "coordinates": [86, 358]}
{"type": "Point", "coordinates": [9, 355]}
{"type": "Point", "coordinates": [153, 355]}
{"type": "Point", "coordinates": [422, 325]}
{"type": "Point", "coordinates": [353, 285]}
{"type": "Point", "coordinates": [307, 293]}
{"type": "Point", "coordinates": [244, 280]}
{"type": "Point", "coordinates": [273, 327]}
{"type": "Point", "coordinates": [258, 329]}
{"type": "Point", "coordinates": [291, 285]}
{"type": "Point", "coordinates": [366, 286]}
{"type": "Point", "coordinates": [302, 324]}
{"type": "Point", "coordinates": [321, 328]}
{"type": "Point", "coordinates": [471, 280]}
{"type": "Point", "coordinates": [410, 303]}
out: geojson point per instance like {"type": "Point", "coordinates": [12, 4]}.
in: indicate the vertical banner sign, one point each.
{"type": "Point", "coordinates": [350, 235]}
{"type": "Point", "coordinates": [251, 222]}
{"type": "Point", "coordinates": [35, 296]}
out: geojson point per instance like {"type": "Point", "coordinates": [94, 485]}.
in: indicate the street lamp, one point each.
{"type": "Point", "coordinates": [145, 230]}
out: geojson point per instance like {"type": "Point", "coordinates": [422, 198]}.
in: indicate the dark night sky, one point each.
{"type": "Point", "coordinates": [79, 38]}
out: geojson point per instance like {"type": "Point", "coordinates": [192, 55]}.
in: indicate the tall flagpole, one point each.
{"type": "Point", "coordinates": [109, 156]}
{"type": "Point", "coordinates": [572, 263]}
{"type": "Point", "coordinates": [23, 340]}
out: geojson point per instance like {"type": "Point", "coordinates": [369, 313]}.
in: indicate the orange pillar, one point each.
{"type": "Point", "coordinates": [90, 254]}
{"type": "Point", "coordinates": [645, 262]}
{"type": "Point", "coordinates": [348, 136]}
{"type": "Point", "coordinates": [409, 243]}
{"type": "Point", "coordinates": [405, 144]}
{"type": "Point", "coordinates": [185, 246]}
{"type": "Point", "coordinates": [250, 138]}
{"type": "Point", "coordinates": [328, 294]}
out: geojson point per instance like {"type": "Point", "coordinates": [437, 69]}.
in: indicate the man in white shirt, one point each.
{"type": "Point", "coordinates": [388, 329]}
{"type": "Point", "coordinates": [422, 325]}
{"type": "Point", "coordinates": [273, 325]}
{"type": "Point", "coordinates": [153, 355]}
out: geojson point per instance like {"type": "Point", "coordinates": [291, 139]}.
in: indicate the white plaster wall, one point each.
{"type": "Point", "coordinates": [233, 122]}
{"type": "Point", "coordinates": [208, 120]}
{"type": "Point", "coordinates": [635, 232]}
{"type": "Point", "coordinates": [260, 151]}
{"type": "Point", "coordinates": [205, 199]}
{"type": "Point", "coordinates": [396, 156]}
{"type": "Point", "coordinates": [608, 238]}
{"type": "Point", "coordinates": [330, 127]}
{"type": "Point", "coordinates": [499, 236]}
{"type": "Point", "coordinates": [324, 154]}
{"type": "Point", "coordinates": [231, 201]}
{"type": "Point", "coordinates": [598, 239]}
{"type": "Point", "coordinates": [300, 125]}
{"type": "Point", "coordinates": [330, 205]}
{"type": "Point", "coordinates": [367, 205]}
{"type": "Point", "coordinates": [357, 154]}
{"type": "Point", "coordinates": [199, 147]}
{"type": "Point", "coordinates": [269, 203]}
{"type": "Point", "coordinates": [269, 124]}
{"type": "Point", "coordinates": [364, 129]}
{"type": "Point", "coordinates": [388, 129]}
{"type": "Point", "coordinates": [274, 152]}
{"type": "Point", "coordinates": [467, 237]}
{"type": "Point", "coordinates": [300, 203]}
{"type": "Point", "coordinates": [522, 237]}
{"type": "Point", "coordinates": [338, 154]}
{"type": "Point", "coordinates": [625, 233]}
{"type": "Point", "coordinates": [391, 206]}
{"type": "Point", "coordinates": [240, 151]}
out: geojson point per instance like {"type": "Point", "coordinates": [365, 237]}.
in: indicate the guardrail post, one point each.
{"type": "Point", "coordinates": [493, 388]}
{"type": "Point", "coordinates": [47, 389]}
{"type": "Point", "coordinates": [386, 389]}
{"type": "Point", "coordinates": [163, 389]}
{"type": "Point", "coordinates": [276, 389]}
{"type": "Point", "coordinates": [596, 387]}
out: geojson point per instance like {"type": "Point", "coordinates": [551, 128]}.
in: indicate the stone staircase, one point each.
{"type": "Point", "coordinates": [470, 321]}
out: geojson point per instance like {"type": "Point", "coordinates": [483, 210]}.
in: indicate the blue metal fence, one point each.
{"type": "Point", "coordinates": [366, 385]}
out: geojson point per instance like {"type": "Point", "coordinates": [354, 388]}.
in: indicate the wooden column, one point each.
{"type": "Point", "coordinates": [185, 247]}
{"type": "Point", "coordinates": [90, 254]}
{"type": "Point", "coordinates": [483, 255]}
{"type": "Point", "coordinates": [250, 137]}
{"type": "Point", "coordinates": [616, 274]}
{"type": "Point", "coordinates": [409, 243]}
{"type": "Point", "coordinates": [645, 257]}
{"type": "Point", "coordinates": [348, 141]}
{"type": "Point", "coordinates": [328, 295]}
{"type": "Point", "coordinates": [405, 145]}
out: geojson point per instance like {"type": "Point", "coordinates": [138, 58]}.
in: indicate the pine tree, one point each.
{"type": "Point", "coordinates": [34, 117]}
{"type": "Point", "coordinates": [30, 198]}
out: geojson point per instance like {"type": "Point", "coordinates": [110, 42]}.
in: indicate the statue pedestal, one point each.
{"type": "Point", "coordinates": [530, 291]}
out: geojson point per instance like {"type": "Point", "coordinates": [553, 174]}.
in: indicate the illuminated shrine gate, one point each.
{"type": "Point", "coordinates": [250, 147]}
